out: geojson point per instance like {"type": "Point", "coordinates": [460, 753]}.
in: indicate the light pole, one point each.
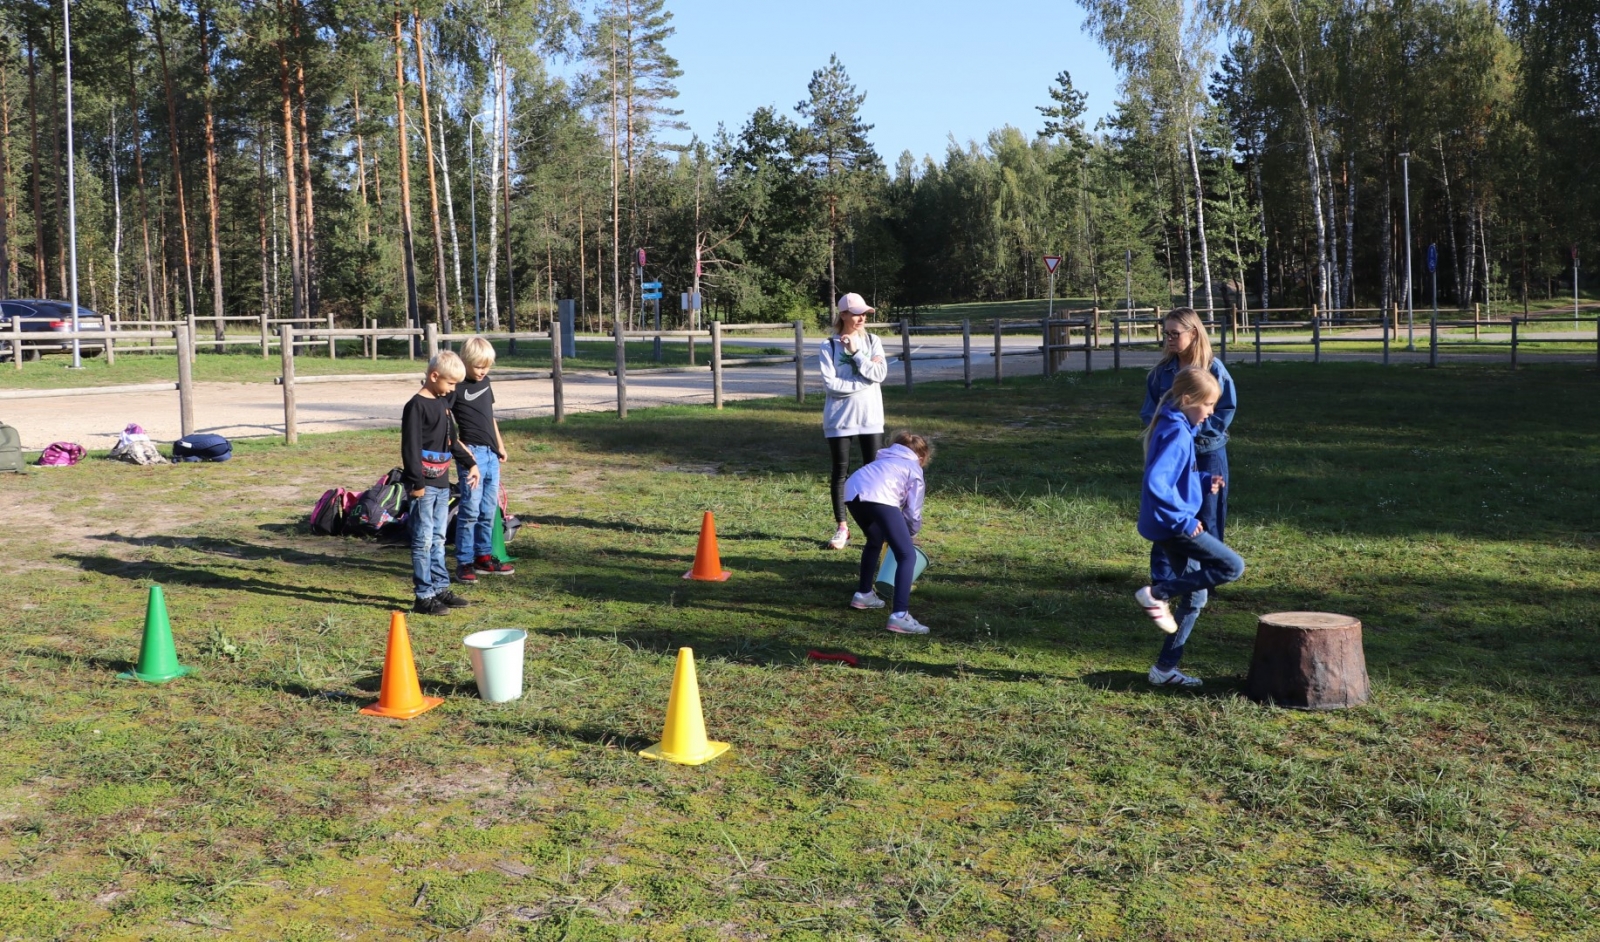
{"type": "Point", "coordinates": [72, 193]}
{"type": "Point", "coordinates": [1411, 343]}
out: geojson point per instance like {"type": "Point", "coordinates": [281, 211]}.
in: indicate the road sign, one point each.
{"type": "Point", "coordinates": [641, 258]}
{"type": "Point", "coordinates": [651, 286]}
{"type": "Point", "coordinates": [1574, 253]}
{"type": "Point", "coordinates": [651, 296]}
{"type": "Point", "coordinates": [1433, 256]}
{"type": "Point", "coordinates": [1050, 263]}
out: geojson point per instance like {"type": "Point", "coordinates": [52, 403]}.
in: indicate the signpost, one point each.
{"type": "Point", "coordinates": [1051, 263]}
{"type": "Point", "coordinates": [1433, 272]}
{"type": "Point", "coordinates": [1574, 283]}
{"type": "Point", "coordinates": [651, 291]}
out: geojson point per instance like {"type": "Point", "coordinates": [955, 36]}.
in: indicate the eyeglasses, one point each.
{"type": "Point", "coordinates": [1174, 334]}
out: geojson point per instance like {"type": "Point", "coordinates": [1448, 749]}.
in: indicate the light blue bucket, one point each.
{"type": "Point", "coordinates": [497, 662]}
{"type": "Point", "coordinates": [886, 571]}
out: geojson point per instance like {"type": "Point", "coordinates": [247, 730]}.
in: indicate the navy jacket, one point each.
{"type": "Point", "coordinates": [1214, 433]}
{"type": "Point", "coordinates": [1173, 488]}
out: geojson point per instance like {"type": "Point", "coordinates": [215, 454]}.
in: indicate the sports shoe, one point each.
{"type": "Point", "coordinates": [841, 537]}
{"type": "Point", "coordinates": [493, 567]}
{"type": "Point", "coordinates": [866, 600]}
{"type": "Point", "coordinates": [451, 599]}
{"type": "Point", "coordinates": [904, 624]}
{"type": "Point", "coordinates": [1158, 610]}
{"type": "Point", "coordinates": [430, 606]}
{"type": "Point", "coordinates": [466, 574]}
{"type": "Point", "coordinates": [1171, 678]}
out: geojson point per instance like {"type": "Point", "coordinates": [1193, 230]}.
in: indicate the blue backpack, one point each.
{"type": "Point", "coordinates": [202, 448]}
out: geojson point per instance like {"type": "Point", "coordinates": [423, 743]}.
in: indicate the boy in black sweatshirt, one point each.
{"type": "Point", "coordinates": [428, 444]}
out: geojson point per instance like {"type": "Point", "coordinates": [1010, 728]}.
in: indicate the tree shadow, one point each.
{"type": "Point", "coordinates": [243, 550]}
{"type": "Point", "coordinates": [69, 659]}
{"type": "Point", "coordinates": [203, 577]}
{"type": "Point", "coordinates": [1215, 688]}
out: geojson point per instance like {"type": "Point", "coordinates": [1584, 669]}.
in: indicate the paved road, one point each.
{"type": "Point", "coordinates": [243, 410]}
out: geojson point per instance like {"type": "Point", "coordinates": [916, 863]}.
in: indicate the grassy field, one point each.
{"type": "Point", "coordinates": [1010, 776]}
{"type": "Point", "coordinates": [244, 365]}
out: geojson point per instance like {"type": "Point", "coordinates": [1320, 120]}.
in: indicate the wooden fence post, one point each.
{"type": "Point", "coordinates": [966, 351]}
{"type": "Point", "coordinates": [291, 435]}
{"type": "Point", "coordinates": [430, 335]}
{"type": "Point", "coordinates": [1095, 314]}
{"type": "Point", "coordinates": [1386, 348]}
{"type": "Point", "coordinates": [1513, 342]}
{"type": "Point", "coordinates": [622, 369]}
{"type": "Point", "coordinates": [333, 342]}
{"type": "Point", "coordinates": [1433, 339]}
{"type": "Point", "coordinates": [185, 384]}
{"type": "Point", "coordinates": [557, 394]}
{"type": "Point", "coordinates": [997, 351]}
{"type": "Point", "coordinates": [265, 341]}
{"type": "Point", "coordinates": [1476, 309]}
{"type": "Point", "coordinates": [799, 361]}
{"type": "Point", "coordinates": [110, 323]}
{"type": "Point", "coordinates": [1116, 344]}
{"type": "Point", "coordinates": [716, 364]}
{"type": "Point", "coordinates": [1045, 322]}
{"type": "Point", "coordinates": [1316, 336]}
{"type": "Point", "coordinates": [1258, 339]}
{"type": "Point", "coordinates": [16, 342]}
{"type": "Point", "coordinates": [372, 348]}
{"type": "Point", "coordinates": [905, 349]}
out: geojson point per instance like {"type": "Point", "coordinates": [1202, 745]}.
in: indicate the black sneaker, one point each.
{"type": "Point", "coordinates": [467, 574]}
{"type": "Point", "coordinates": [451, 600]}
{"type": "Point", "coordinates": [432, 605]}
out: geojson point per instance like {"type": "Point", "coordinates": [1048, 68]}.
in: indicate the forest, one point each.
{"type": "Point", "coordinates": [472, 161]}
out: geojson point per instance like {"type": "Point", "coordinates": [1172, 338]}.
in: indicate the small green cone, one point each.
{"type": "Point", "coordinates": [158, 659]}
{"type": "Point", "coordinates": [499, 539]}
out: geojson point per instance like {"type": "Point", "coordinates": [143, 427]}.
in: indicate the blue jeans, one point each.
{"type": "Point", "coordinates": [475, 509]}
{"type": "Point", "coordinates": [1205, 563]}
{"type": "Point", "coordinates": [429, 515]}
{"type": "Point", "coordinates": [882, 524]}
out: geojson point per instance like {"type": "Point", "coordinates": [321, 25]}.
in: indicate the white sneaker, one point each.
{"type": "Point", "coordinates": [841, 537]}
{"type": "Point", "coordinates": [906, 625]}
{"type": "Point", "coordinates": [1171, 678]}
{"type": "Point", "coordinates": [866, 600]}
{"type": "Point", "coordinates": [1158, 611]}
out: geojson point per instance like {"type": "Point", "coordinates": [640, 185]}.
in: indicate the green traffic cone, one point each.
{"type": "Point", "coordinates": [158, 659]}
{"type": "Point", "coordinates": [498, 543]}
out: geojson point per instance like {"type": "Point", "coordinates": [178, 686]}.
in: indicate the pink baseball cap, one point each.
{"type": "Point", "coordinates": [853, 303]}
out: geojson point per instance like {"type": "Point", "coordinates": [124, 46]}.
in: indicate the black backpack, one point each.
{"type": "Point", "coordinates": [381, 508]}
{"type": "Point", "coordinates": [202, 448]}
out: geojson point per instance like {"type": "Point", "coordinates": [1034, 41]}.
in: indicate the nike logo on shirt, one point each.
{"type": "Point", "coordinates": [469, 396]}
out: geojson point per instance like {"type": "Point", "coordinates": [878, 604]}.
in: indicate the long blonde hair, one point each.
{"type": "Point", "coordinates": [1199, 352]}
{"type": "Point", "coordinates": [1191, 385]}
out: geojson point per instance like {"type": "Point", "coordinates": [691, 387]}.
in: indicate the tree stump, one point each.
{"type": "Point", "coordinates": [1308, 661]}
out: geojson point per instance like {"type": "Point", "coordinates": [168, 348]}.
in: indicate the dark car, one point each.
{"type": "Point", "coordinates": [42, 319]}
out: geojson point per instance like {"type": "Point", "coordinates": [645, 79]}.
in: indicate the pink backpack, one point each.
{"type": "Point", "coordinates": [61, 455]}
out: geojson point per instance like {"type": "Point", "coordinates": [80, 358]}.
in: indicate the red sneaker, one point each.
{"type": "Point", "coordinates": [466, 574]}
{"type": "Point", "coordinates": [490, 566]}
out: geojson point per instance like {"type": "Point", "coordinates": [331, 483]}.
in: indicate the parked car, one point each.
{"type": "Point", "coordinates": [40, 319]}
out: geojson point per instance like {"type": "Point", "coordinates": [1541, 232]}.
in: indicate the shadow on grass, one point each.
{"type": "Point", "coordinates": [254, 552]}
{"type": "Point", "coordinates": [589, 523]}
{"type": "Point", "coordinates": [68, 659]}
{"type": "Point", "coordinates": [1215, 688]}
{"type": "Point", "coordinates": [204, 577]}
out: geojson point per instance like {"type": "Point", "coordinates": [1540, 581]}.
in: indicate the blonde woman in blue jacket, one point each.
{"type": "Point", "coordinates": [853, 367]}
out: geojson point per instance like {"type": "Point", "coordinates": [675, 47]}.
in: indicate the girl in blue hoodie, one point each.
{"type": "Point", "coordinates": [1169, 517]}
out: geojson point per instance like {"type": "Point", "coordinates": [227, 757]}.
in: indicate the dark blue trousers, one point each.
{"type": "Point", "coordinates": [1205, 563]}
{"type": "Point", "coordinates": [882, 524]}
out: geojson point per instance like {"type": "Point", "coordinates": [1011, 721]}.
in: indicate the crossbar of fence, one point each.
{"type": "Point", "coordinates": [185, 384]}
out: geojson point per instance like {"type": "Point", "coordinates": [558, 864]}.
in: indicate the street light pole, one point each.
{"type": "Point", "coordinates": [72, 193]}
{"type": "Point", "coordinates": [1411, 341]}
{"type": "Point", "coordinates": [472, 185]}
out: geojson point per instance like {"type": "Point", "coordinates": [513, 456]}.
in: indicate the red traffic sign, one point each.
{"type": "Point", "coordinates": [1574, 253]}
{"type": "Point", "coordinates": [1050, 263]}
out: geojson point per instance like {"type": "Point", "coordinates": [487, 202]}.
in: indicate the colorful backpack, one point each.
{"type": "Point", "coordinates": [328, 516]}
{"type": "Point", "coordinates": [380, 508]}
{"type": "Point", "coordinates": [62, 455]}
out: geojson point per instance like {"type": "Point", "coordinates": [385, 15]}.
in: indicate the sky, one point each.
{"type": "Point", "coordinates": [930, 69]}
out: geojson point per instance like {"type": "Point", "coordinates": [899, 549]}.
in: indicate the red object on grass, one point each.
{"type": "Point", "coordinates": [845, 658]}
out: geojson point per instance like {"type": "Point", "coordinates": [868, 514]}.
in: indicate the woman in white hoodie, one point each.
{"type": "Point", "coordinates": [853, 365]}
{"type": "Point", "coordinates": [885, 497]}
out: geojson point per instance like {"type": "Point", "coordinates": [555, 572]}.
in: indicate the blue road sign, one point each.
{"type": "Point", "coordinates": [1433, 257]}
{"type": "Point", "coordinates": [651, 286]}
{"type": "Point", "coordinates": [651, 296]}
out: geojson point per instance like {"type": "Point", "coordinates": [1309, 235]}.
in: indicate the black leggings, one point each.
{"type": "Point", "coordinates": [840, 447]}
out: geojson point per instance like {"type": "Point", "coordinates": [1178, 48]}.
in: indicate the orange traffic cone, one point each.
{"type": "Point", "coordinates": [684, 739]}
{"type": "Point", "coordinates": [707, 561]}
{"type": "Point", "coordinates": [400, 697]}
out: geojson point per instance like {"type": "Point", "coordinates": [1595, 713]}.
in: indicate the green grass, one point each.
{"type": "Point", "coordinates": [1009, 777]}
{"type": "Point", "coordinates": [245, 365]}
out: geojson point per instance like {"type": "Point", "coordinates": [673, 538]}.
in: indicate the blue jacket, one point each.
{"type": "Point", "coordinates": [1173, 489]}
{"type": "Point", "coordinates": [1214, 433]}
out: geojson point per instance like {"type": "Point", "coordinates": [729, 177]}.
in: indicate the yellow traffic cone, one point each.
{"type": "Point", "coordinates": [684, 739]}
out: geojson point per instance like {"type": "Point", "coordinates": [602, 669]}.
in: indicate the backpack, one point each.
{"type": "Point", "coordinates": [62, 455]}
{"type": "Point", "coordinates": [202, 448]}
{"type": "Point", "coordinates": [10, 449]}
{"type": "Point", "coordinates": [381, 506]}
{"type": "Point", "coordinates": [328, 516]}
